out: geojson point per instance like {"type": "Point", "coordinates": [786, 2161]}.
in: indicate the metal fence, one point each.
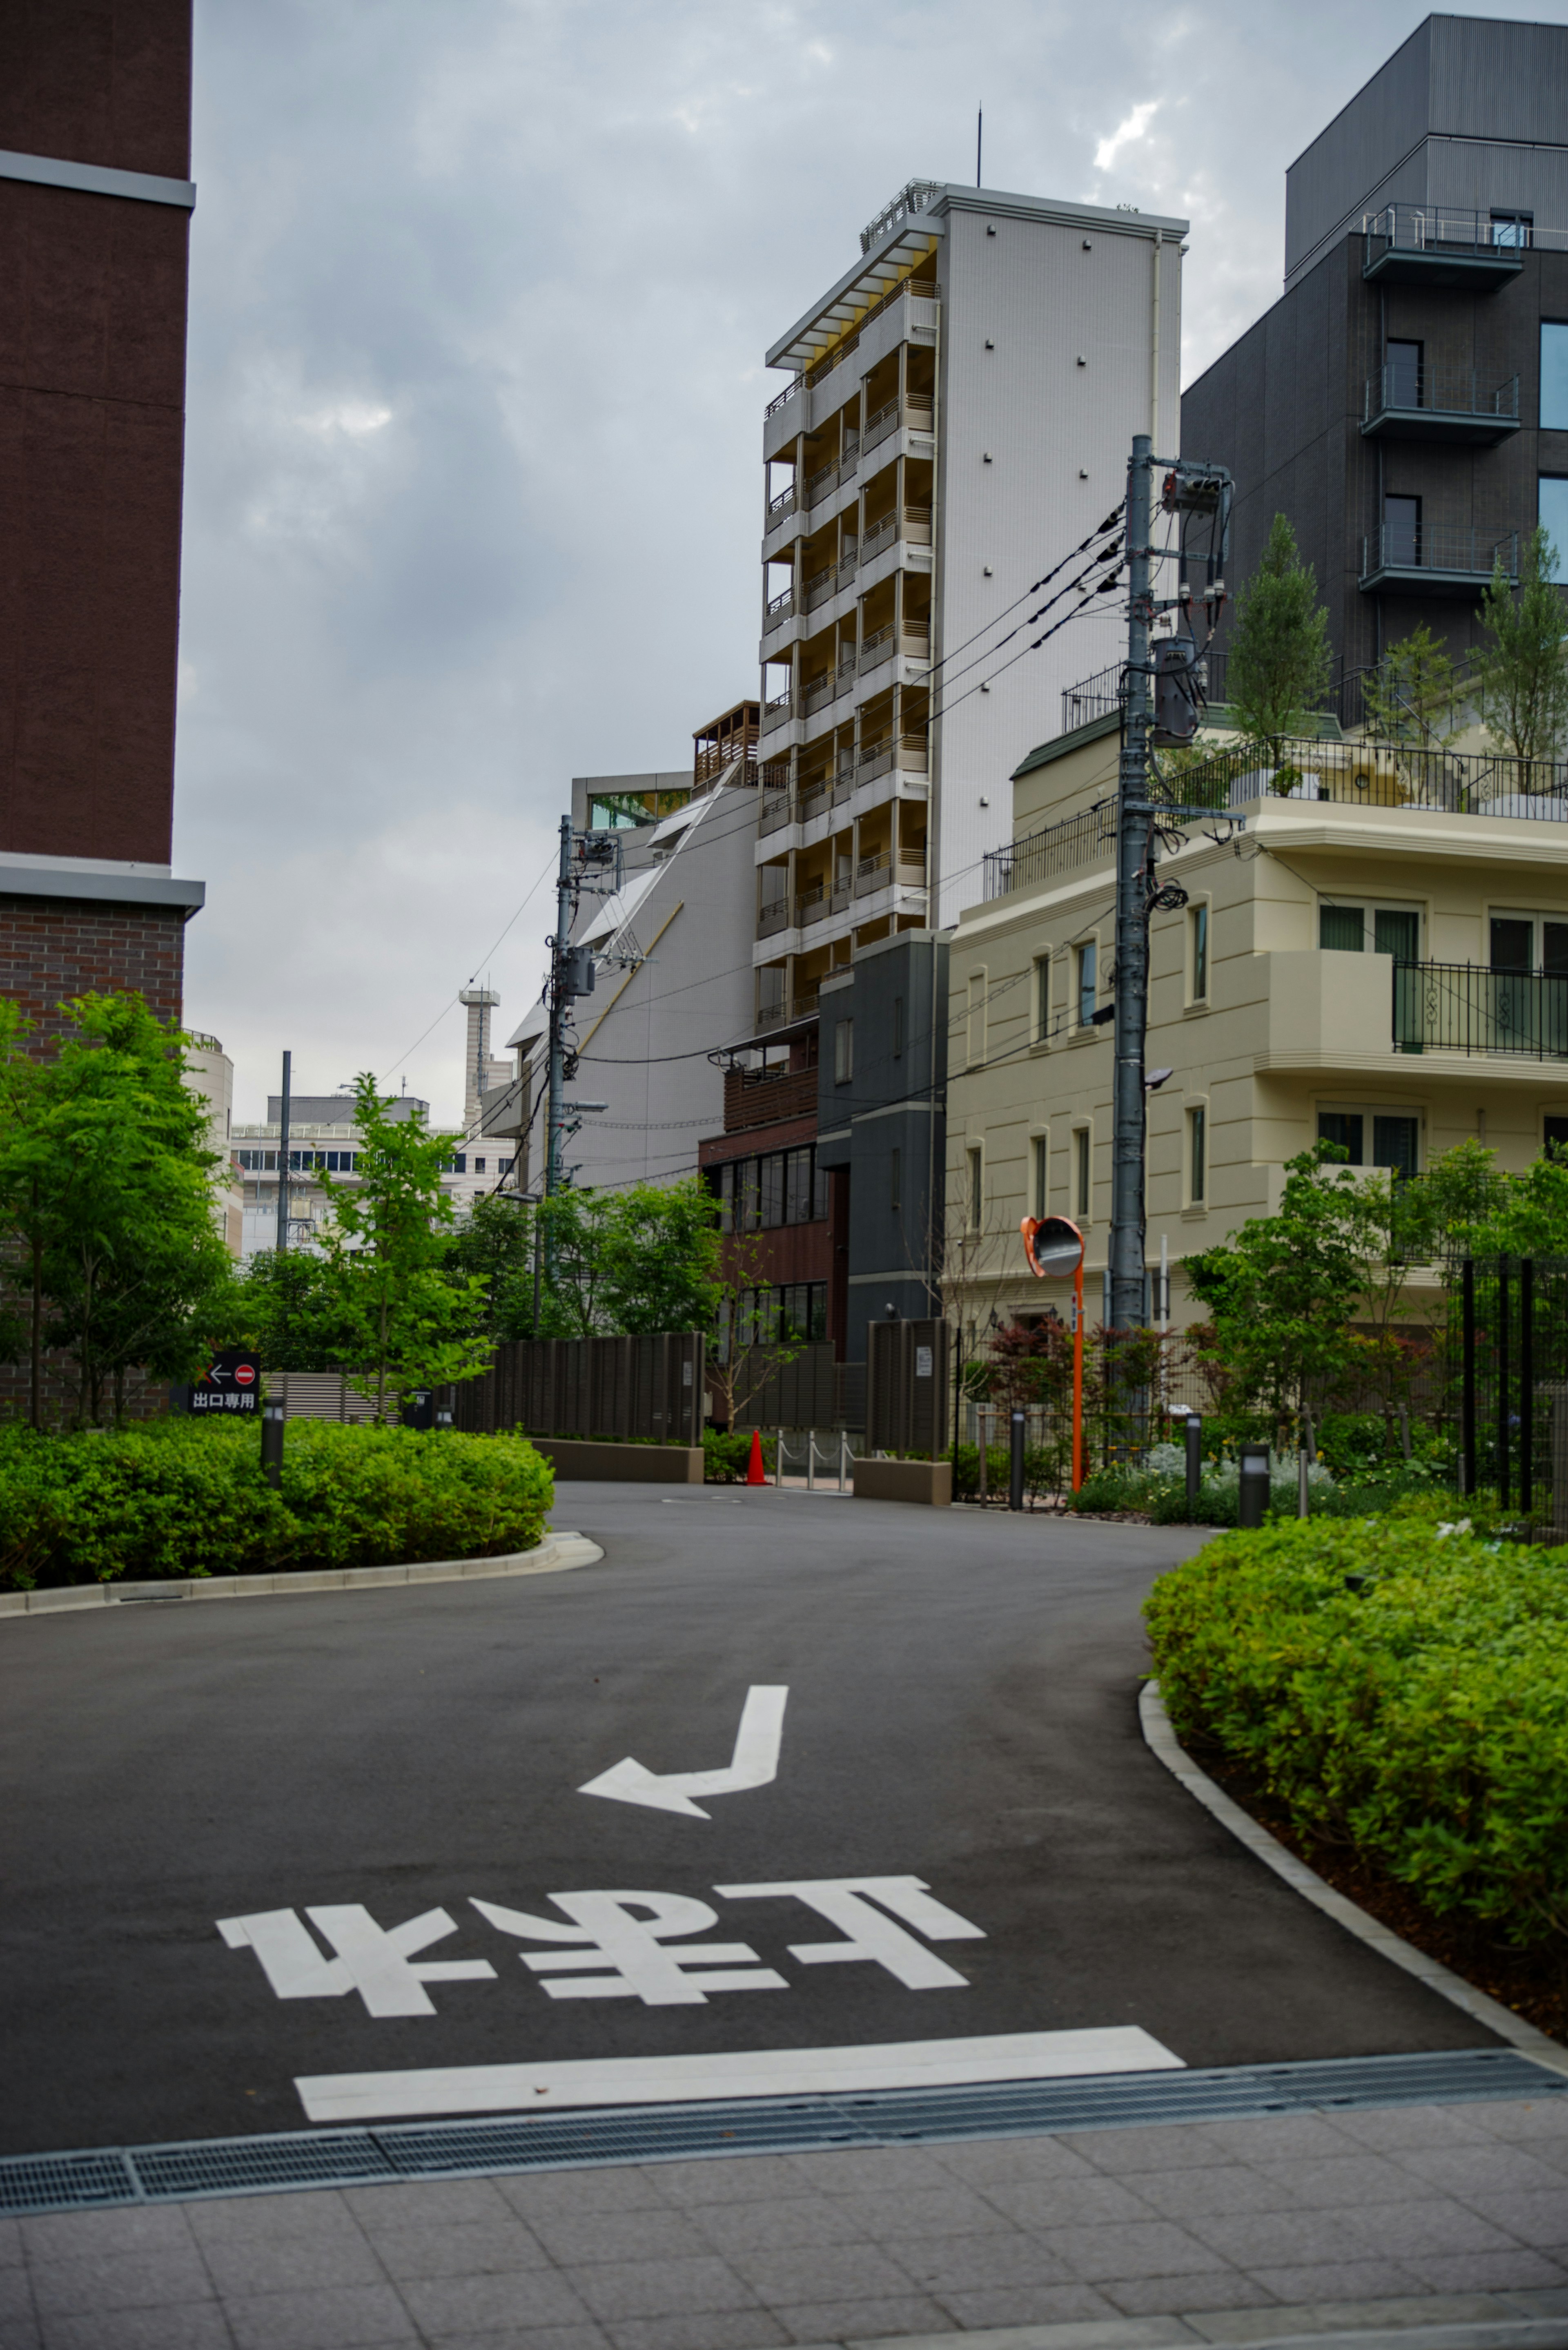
{"type": "Point", "coordinates": [647, 1387]}
{"type": "Point", "coordinates": [1446, 1007]}
{"type": "Point", "coordinates": [906, 1386]}
{"type": "Point", "coordinates": [1509, 1329]}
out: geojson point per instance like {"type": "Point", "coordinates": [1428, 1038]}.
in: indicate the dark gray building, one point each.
{"type": "Point", "coordinates": [1405, 402]}
{"type": "Point", "coordinates": [882, 1116]}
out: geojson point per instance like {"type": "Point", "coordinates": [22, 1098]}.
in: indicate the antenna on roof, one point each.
{"type": "Point", "coordinates": [979, 130]}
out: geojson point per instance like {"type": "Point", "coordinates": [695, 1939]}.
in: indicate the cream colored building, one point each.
{"type": "Point", "coordinates": [1380, 958]}
{"type": "Point", "coordinates": [210, 1074]}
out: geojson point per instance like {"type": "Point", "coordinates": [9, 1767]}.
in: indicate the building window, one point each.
{"type": "Point", "coordinates": [1083, 1173]}
{"type": "Point", "coordinates": [1040, 1168]}
{"type": "Point", "coordinates": [975, 1040]}
{"type": "Point", "coordinates": [1551, 513]}
{"type": "Point", "coordinates": [897, 1027]}
{"type": "Point", "coordinates": [770, 1189]}
{"type": "Point", "coordinates": [1086, 958]}
{"type": "Point", "coordinates": [479, 1166]}
{"type": "Point", "coordinates": [1042, 999]}
{"type": "Point", "coordinates": [976, 1187]}
{"type": "Point", "coordinates": [1395, 1138]}
{"type": "Point", "coordinates": [801, 1187]}
{"type": "Point", "coordinates": [1198, 1156]}
{"type": "Point", "coordinates": [1387, 930]}
{"type": "Point", "coordinates": [843, 1051]}
{"type": "Point", "coordinates": [1402, 533]}
{"type": "Point", "coordinates": [1510, 227]}
{"type": "Point", "coordinates": [1530, 942]}
{"type": "Point", "coordinates": [504, 1166]}
{"type": "Point", "coordinates": [895, 1175]}
{"type": "Point", "coordinates": [1197, 921]}
{"type": "Point", "coordinates": [1555, 1136]}
{"type": "Point", "coordinates": [1553, 376]}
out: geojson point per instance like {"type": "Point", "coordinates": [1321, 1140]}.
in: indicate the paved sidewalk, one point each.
{"type": "Point", "coordinates": [1251, 2230]}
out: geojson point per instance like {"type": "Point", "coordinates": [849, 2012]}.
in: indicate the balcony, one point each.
{"type": "Point", "coordinates": [912, 523]}
{"type": "Point", "coordinates": [1435, 244]}
{"type": "Point", "coordinates": [1435, 559]}
{"type": "Point", "coordinates": [784, 1012]}
{"type": "Point", "coordinates": [874, 873]}
{"type": "Point", "coordinates": [781, 609]}
{"type": "Point", "coordinates": [881, 758]}
{"type": "Point", "coordinates": [821, 484]}
{"type": "Point", "coordinates": [772, 916]}
{"type": "Point", "coordinates": [1390, 777]}
{"type": "Point", "coordinates": [819, 692]}
{"type": "Point", "coordinates": [778, 811]}
{"type": "Point", "coordinates": [778, 713]}
{"type": "Point", "coordinates": [780, 508]}
{"type": "Point", "coordinates": [812, 906]}
{"type": "Point", "coordinates": [1433, 403]}
{"type": "Point", "coordinates": [1449, 1007]}
{"type": "Point", "coordinates": [916, 413]}
{"type": "Point", "coordinates": [1028, 864]}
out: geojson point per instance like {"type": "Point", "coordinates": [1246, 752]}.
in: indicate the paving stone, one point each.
{"type": "Point", "coordinates": [661, 2288]}
{"type": "Point", "coordinates": [16, 2297]}
{"type": "Point", "coordinates": [586, 2336]}
{"type": "Point", "coordinates": [292, 2263]}
{"type": "Point", "coordinates": [1002, 2161]}
{"type": "Point", "coordinates": [12, 2252]}
{"type": "Point", "coordinates": [766, 2227]}
{"type": "Point", "coordinates": [843, 2272]}
{"type": "Point", "coordinates": [579, 2239]}
{"type": "Point", "coordinates": [1487, 2271]}
{"type": "Point", "coordinates": [1070, 2202]}
{"type": "Point", "coordinates": [1146, 2247]}
{"type": "Point", "coordinates": [1168, 2297]}
{"type": "Point", "coordinates": [1309, 2182]}
{"type": "Point", "coordinates": [187, 2325]}
{"type": "Point", "coordinates": [734, 2178]}
{"type": "Point", "coordinates": [1336, 2280]}
{"type": "Point", "coordinates": [1279, 2137]}
{"type": "Point", "coordinates": [1249, 2239]}
{"type": "Point", "coordinates": [1434, 2225]}
{"type": "Point", "coordinates": [125, 2280]}
{"type": "Point", "coordinates": [1465, 2171]}
{"type": "Point", "coordinates": [1236, 2326]}
{"type": "Point", "coordinates": [826, 2322]}
{"type": "Point", "coordinates": [254, 2218]}
{"type": "Point", "coordinates": [569, 2193]}
{"type": "Point", "coordinates": [97, 2235]}
{"type": "Point", "coordinates": [349, 2317]}
{"type": "Point", "coordinates": [946, 2210]}
{"type": "Point", "coordinates": [484, 2247]}
{"type": "Point", "coordinates": [426, 2203]}
{"type": "Point", "coordinates": [869, 2170]}
{"type": "Point", "coordinates": [951, 2264]}
{"type": "Point", "coordinates": [1389, 2128]}
{"type": "Point", "coordinates": [20, 2334]}
{"type": "Point", "coordinates": [1166, 2146]}
{"type": "Point", "coordinates": [1533, 2217]}
{"type": "Point", "coordinates": [1039, 2305]}
{"type": "Point", "coordinates": [521, 2300]}
{"type": "Point", "coordinates": [1226, 2189]}
{"type": "Point", "coordinates": [729, 2329]}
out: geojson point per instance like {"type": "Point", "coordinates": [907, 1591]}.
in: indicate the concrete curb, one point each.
{"type": "Point", "coordinates": [1162, 1739]}
{"type": "Point", "coordinates": [1495, 2322]}
{"type": "Point", "coordinates": [555, 1554]}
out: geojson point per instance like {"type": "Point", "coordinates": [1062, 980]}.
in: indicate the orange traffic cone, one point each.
{"type": "Point", "coordinates": [755, 1473]}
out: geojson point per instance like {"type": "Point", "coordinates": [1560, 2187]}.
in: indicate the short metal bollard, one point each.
{"type": "Point", "coordinates": [1015, 1464]}
{"type": "Point", "coordinates": [1304, 1484]}
{"type": "Point", "coordinates": [272, 1444]}
{"type": "Point", "coordinates": [1252, 1499]}
{"type": "Point", "coordinates": [1194, 1456]}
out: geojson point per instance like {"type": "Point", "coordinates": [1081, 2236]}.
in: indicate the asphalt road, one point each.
{"type": "Point", "coordinates": [961, 1712]}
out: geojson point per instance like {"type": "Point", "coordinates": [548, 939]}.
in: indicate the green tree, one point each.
{"type": "Point", "coordinates": [108, 1176]}
{"type": "Point", "coordinates": [417, 1325]}
{"type": "Point", "coordinates": [1278, 669]}
{"type": "Point", "coordinates": [1281, 1289]}
{"type": "Point", "coordinates": [1522, 681]}
{"type": "Point", "coordinates": [663, 1272]}
{"type": "Point", "coordinates": [1412, 693]}
{"type": "Point", "coordinates": [21, 1270]}
{"type": "Point", "coordinates": [293, 1307]}
{"type": "Point", "coordinates": [494, 1246]}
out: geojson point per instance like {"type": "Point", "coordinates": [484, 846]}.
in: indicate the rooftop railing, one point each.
{"type": "Point", "coordinates": [1387, 777]}
{"type": "Point", "coordinates": [1025, 864]}
{"type": "Point", "coordinates": [1450, 228]}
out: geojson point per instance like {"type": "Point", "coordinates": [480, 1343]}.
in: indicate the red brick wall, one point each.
{"type": "Point", "coordinates": [92, 386]}
{"type": "Point", "coordinates": [54, 948]}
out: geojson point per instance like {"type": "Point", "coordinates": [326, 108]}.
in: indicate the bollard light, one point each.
{"type": "Point", "coordinates": [1253, 1500]}
{"type": "Point", "coordinates": [1015, 1481]}
{"type": "Point", "coordinates": [1194, 1456]}
{"type": "Point", "coordinates": [272, 1444]}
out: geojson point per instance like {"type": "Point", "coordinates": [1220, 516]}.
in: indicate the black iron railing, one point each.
{"type": "Point", "coordinates": [1456, 1007]}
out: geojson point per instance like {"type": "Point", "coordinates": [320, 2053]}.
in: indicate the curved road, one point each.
{"type": "Point", "coordinates": [960, 1717]}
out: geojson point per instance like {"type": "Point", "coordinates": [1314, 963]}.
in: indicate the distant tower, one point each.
{"type": "Point", "coordinates": [478, 1070]}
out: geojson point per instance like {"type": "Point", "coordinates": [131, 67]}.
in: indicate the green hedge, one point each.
{"type": "Point", "coordinates": [186, 1498]}
{"type": "Point", "coordinates": [1398, 1688]}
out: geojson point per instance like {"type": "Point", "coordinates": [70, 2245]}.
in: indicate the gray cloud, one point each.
{"type": "Point", "coordinates": [479, 299]}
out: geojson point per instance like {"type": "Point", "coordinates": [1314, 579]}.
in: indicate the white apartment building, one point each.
{"type": "Point", "coordinates": [959, 418]}
{"type": "Point", "coordinates": [210, 1074]}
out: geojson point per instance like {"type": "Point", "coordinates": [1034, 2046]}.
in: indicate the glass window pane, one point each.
{"type": "Point", "coordinates": [1199, 954]}
{"type": "Point", "coordinates": [1396, 933]}
{"type": "Point", "coordinates": [772, 1205]}
{"type": "Point", "coordinates": [1086, 985]}
{"type": "Point", "coordinates": [1402, 531]}
{"type": "Point", "coordinates": [1041, 1174]}
{"type": "Point", "coordinates": [1555, 1136]}
{"type": "Point", "coordinates": [1344, 1127]}
{"type": "Point", "coordinates": [1553, 376]}
{"type": "Point", "coordinates": [1342, 926]}
{"type": "Point", "coordinates": [1513, 942]}
{"type": "Point", "coordinates": [1404, 378]}
{"type": "Point", "coordinates": [1043, 999]}
{"type": "Point", "coordinates": [818, 1190]}
{"type": "Point", "coordinates": [1555, 947]}
{"type": "Point", "coordinates": [1197, 1123]}
{"type": "Point", "coordinates": [1552, 511]}
{"type": "Point", "coordinates": [1395, 1142]}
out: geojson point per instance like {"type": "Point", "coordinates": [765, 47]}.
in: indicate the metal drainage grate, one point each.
{"type": "Point", "coordinates": [628, 2134]}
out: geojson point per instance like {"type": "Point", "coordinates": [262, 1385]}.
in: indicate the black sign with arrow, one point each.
{"type": "Point", "coordinates": [230, 1384]}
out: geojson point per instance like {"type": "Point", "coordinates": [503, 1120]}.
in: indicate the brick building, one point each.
{"type": "Point", "coordinates": [95, 212]}
{"type": "Point", "coordinates": [763, 1168]}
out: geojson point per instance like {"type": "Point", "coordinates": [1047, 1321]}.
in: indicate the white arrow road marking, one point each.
{"type": "Point", "coordinates": [755, 1764]}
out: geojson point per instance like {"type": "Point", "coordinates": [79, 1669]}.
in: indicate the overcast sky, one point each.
{"type": "Point", "coordinates": [480, 292]}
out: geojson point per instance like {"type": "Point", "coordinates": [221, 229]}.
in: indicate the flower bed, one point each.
{"type": "Point", "coordinates": [184, 1498]}
{"type": "Point", "coordinates": [1402, 1691]}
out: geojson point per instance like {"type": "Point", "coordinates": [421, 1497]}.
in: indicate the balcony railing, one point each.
{"type": "Point", "coordinates": [1453, 1007]}
{"type": "Point", "coordinates": [821, 484]}
{"type": "Point", "coordinates": [778, 810]}
{"type": "Point", "coordinates": [911, 523]}
{"type": "Point", "coordinates": [820, 691]}
{"type": "Point", "coordinates": [781, 507]}
{"type": "Point", "coordinates": [877, 648]}
{"type": "Point", "coordinates": [782, 398]}
{"type": "Point", "coordinates": [1438, 553]}
{"type": "Point", "coordinates": [874, 873]}
{"type": "Point", "coordinates": [811, 906]}
{"type": "Point", "coordinates": [914, 411]}
{"type": "Point", "coordinates": [775, 1012]}
{"type": "Point", "coordinates": [925, 291]}
{"type": "Point", "coordinates": [1391, 777]}
{"type": "Point", "coordinates": [781, 609]}
{"type": "Point", "coordinates": [880, 758]}
{"type": "Point", "coordinates": [779, 712]}
{"type": "Point", "coordinates": [848, 563]}
{"type": "Point", "coordinates": [772, 916]}
{"type": "Point", "coordinates": [1026, 864]}
{"type": "Point", "coordinates": [1435, 396]}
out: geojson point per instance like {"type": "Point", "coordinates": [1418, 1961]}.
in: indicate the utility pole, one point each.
{"type": "Point", "coordinates": [1133, 817]}
{"type": "Point", "coordinates": [283, 1163]}
{"type": "Point", "coordinates": [560, 946]}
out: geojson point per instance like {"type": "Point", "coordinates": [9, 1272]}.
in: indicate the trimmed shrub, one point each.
{"type": "Point", "coordinates": [726, 1455]}
{"type": "Point", "coordinates": [186, 1498]}
{"type": "Point", "coordinates": [1402, 1686]}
